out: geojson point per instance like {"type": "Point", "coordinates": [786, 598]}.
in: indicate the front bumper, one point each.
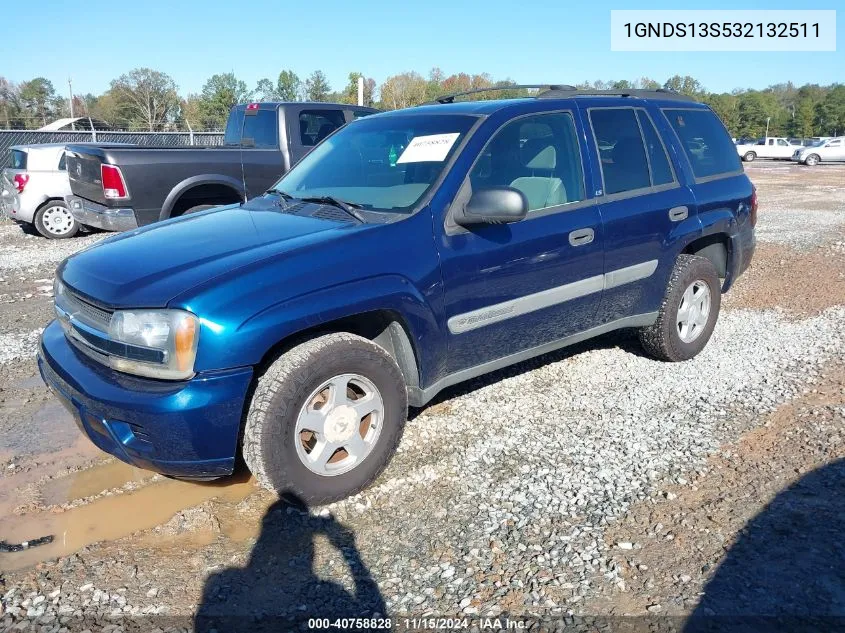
{"type": "Point", "coordinates": [183, 429]}
{"type": "Point", "coordinates": [100, 216]}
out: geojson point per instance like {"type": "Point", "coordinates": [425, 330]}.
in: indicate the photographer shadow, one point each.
{"type": "Point", "coordinates": [786, 570]}
{"type": "Point", "coordinates": [279, 588]}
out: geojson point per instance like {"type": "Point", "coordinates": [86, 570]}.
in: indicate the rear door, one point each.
{"type": "Point", "coordinates": [509, 288]}
{"type": "Point", "coordinates": [310, 126]}
{"type": "Point", "coordinates": [642, 203]}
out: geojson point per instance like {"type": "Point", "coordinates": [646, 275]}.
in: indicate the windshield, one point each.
{"type": "Point", "coordinates": [379, 163]}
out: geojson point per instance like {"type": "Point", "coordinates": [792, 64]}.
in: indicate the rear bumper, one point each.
{"type": "Point", "coordinates": [183, 429]}
{"type": "Point", "coordinates": [19, 207]}
{"type": "Point", "coordinates": [100, 216]}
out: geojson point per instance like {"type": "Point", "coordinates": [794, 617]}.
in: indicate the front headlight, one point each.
{"type": "Point", "coordinates": [153, 343]}
{"type": "Point", "coordinates": [173, 334]}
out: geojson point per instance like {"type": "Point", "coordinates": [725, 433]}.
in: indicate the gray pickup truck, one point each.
{"type": "Point", "coordinates": [117, 189]}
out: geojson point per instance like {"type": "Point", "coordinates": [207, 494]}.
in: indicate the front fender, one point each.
{"type": "Point", "coordinates": [250, 342]}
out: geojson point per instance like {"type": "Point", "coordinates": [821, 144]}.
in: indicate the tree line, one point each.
{"type": "Point", "coordinates": [149, 100]}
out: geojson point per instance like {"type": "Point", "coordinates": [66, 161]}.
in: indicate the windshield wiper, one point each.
{"type": "Point", "coordinates": [280, 193]}
{"type": "Point", "coordinates": [349, 207]}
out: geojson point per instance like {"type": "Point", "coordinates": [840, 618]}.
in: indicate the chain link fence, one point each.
{"type": "Point", "coordinates": [149, 139]}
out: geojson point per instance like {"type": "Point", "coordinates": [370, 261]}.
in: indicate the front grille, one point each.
{"type": "Point", "coordinates": [87, 326]}
{"type": "Point", "coordinates": [96, 317]}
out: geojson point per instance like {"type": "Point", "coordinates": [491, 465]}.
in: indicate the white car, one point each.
{"type": "Point", "coordinates": [34, 187]}
{"type": "Point", "coordinates": [828, 151]}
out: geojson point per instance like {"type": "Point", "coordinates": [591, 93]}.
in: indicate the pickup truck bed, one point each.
{"type": "Point", "coordinates": [262, 142]}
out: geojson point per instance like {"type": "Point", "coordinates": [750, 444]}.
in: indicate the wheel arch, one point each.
{"type": "Point", "coordinates": [215, 185]}
{"type": "Point", "coordinates": [716, 247]}
{"type": "Point", "coordinates": [385, 327]}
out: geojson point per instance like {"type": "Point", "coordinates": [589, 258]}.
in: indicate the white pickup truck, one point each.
{"type": "Point", "coordinates": [768, 147]}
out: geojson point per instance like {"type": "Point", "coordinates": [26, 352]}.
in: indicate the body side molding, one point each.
{"type": "Point", "coordinates": [495, 313]}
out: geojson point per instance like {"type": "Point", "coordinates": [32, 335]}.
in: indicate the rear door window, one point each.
{"type": "Point", "coordinates": [705, 141]}
{"type": "Point", "coordinates": [18, 159]}
{"type": "Point", "coordinates": [661, 171]}
{"type": "Point", "coordinates": [315, 125]}
{"type": "Point", "coordinates": [622, 153]}
{"type": "Point", "coordinates": [261, 129]}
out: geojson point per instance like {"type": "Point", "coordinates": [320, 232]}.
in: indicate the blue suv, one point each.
{"type": "Point", "coordinates": [409, 251]}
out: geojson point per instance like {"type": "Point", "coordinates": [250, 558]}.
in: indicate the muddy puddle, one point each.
{"type": "Point", "coordinates": [104, 503]}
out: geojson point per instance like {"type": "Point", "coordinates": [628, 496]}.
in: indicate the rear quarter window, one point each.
{"type": "Point", "coordinates": [705, 141]}
{"type": "Point", "coordinates": [18, 159]}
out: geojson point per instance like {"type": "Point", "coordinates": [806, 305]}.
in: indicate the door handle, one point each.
{"type": "Point", "coordinates": [676, 214]}
{"type": "Point", "coordinates": [581, 237]}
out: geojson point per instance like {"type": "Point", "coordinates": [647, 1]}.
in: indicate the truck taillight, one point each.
{"type": "Point", "coordinates": [753, 214]}
{"type": "Point", "coordinates": [114, 187]}
{"type": "Point", "coordinates": [20, 181]}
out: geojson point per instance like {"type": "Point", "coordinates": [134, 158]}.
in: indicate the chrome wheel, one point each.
{"type": "Point", "coordinates": [57, 220]}
{"type": "Point", "coordinates": [812, 160]}
{"type": "Point", "coordinates": [339, 425]}
{"type": "Point", "coordinates": [693, 311]}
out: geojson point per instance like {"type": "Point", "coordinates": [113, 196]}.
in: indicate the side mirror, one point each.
{"type": "Point", "coordinates": [496, 205]}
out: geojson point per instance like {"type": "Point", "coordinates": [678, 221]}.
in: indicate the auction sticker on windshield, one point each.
{"type": "Point", "coordinates": [431, 148]}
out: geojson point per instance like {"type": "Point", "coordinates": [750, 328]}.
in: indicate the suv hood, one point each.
{"type": "Point", "coordinates": [148, 267]}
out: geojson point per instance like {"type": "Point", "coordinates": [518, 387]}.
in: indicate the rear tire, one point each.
{"type": "Point", "coordinates": [749, 156]}
{"type": "Point", "coordinates": [298, 392]}
{"type": "Point", "coordinates": [689, 311]}
{"type": "Point", "coordinates": [54, 221]}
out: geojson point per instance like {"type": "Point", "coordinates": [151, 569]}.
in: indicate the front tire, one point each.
{"type": "Point", "coordinates": [812, 160]}
{"type": "Point", "coordinates": [325, 418]}
{"type": "Point", "coordinates": [749, 156]}
{"type": "Point", "coordinates": [688, 315]}
{"type": "Point", "coordinates": [54, 221]}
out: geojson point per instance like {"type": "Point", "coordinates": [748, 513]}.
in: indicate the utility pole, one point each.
{"type": "Point", "coordinates": [360, 90]}
{"type": "Point", "coordinates": [70, 89]}
{"type": "Point", "coordinates": [768, 118]}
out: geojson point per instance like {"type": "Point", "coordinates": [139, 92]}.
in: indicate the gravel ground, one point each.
{"type": "Point", "coordinates": [536, 490]}
{"type": "Point", "coordinates": [24, 251]}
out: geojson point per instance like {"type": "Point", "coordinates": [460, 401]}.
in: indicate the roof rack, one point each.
{"type": "Point", "coordinates": [659, 93]}
{"type": "Point", "coordinates": [564, 91]}
{"type": "Point", "coordinates": [450, 98]}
